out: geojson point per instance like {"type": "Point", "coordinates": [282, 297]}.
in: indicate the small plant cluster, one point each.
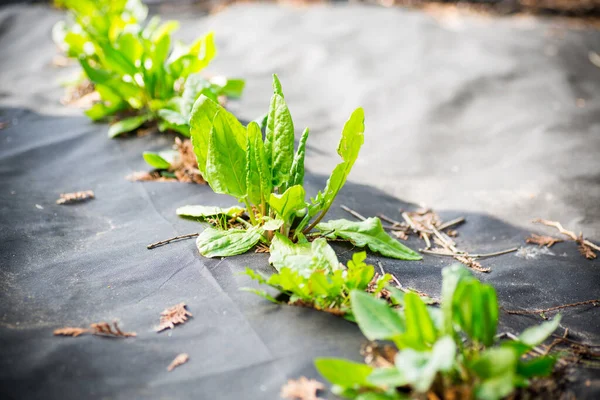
{"type": "Point", "coordinates": [447, 352]}
{"type": "Point", "coordinates": [326, 286]}
{"type": "Point", "coordinates": [138, 76]}
{"type": "Point", "coordinates": [267, 176]}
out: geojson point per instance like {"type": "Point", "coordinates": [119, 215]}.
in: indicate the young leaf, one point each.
{"type": "Point", "coordinates": [420, 332]}
{"type": "Point", "coordinates": [344, 373]}
{"type": "Point", "coordinates": [297, 171]}
{"type": "Point", "coordinates": [279, 139]}
{"type": "Point", "coordinates": [285, 253]}
{"type": "Point", "coordinates": [226, 156]}
{"type": "Point", "coordinates": [161, 160]}
{"type": "Point", "coordinates": [375, 318]}
{"type": "Point", "coordinates": [219, 243]}
{"type": "Point", "coordinates": [201, 118]}
{"type": "Point", "coordinates": [369, 233]}
{"type": "Point", "coordinates": [475, 310]}
{"type": "Point", "coordinates": [535, 335]}
{"type": "Point", "coordinates": [387, 377]}
{"type": "Point", "coordinates": [253, 170]}
{"type": "Point", "coordinates": [496, 368]}
{"type": "Point", "coordinates": [348, 148]}
{"type": "Point", "coordinates": [288, 203]}
{"type": "Point", "coordinates": [127, 125]}
{"type": "Point", "coordinates": [538, 366]}
{"type": "Point", "coordinates": [175, 121]}
{"type": "Point", "coordinates": [451, 276]}
{"type": "Point", "coordinates": [204, 212]}
{"type": "Point", "coordinates": [420, 368]}
{"type": "Point", "coordinates": [323, 256]}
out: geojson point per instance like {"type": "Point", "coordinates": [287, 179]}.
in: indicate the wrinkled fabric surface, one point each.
{"type": "Point", "coordinates": [496, 120]}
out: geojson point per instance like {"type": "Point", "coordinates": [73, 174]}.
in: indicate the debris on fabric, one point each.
{"type": "Point", "coordinates": [179, 360]}
{"type": "Point", "coordinates": [75, 197]}
{"type": "Point", "coordinates": [541, 240]}
{"type": "Point", "coordinates": [172, 316]}
{"type": "Point", "coordinates": [586, 248]}
{"type": "Point", "coordinates": [379, 355]}
{"type": "Point", "coordinates": [429, 227]}
{"type": "Point", "coordinates": [99, 329]}
{"type": "Point", "coordinates": [183, 169]}
{"type": "Point", "coordinates": [82, 95]}
{"type": "Point", "coordinates": [70, 331]}
{"type": "Point", "coordinates": [154, 176]}
{"type": "Point", "coordinates": [532, 253]}
{"type": "Point", "coordinates": [302, 389]}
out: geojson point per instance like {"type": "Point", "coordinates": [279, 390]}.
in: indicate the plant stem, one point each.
{"type": "Point", "coordinates": [250, 211]}
{"type": "Point", "coordinates": [244, 222]}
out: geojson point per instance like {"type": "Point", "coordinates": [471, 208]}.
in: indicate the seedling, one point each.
{"type": "Point", "coordinates": [444, 353]}
{"type": "Point", "coordinates": [267, 176]}
{"type": "Point", "coordinates": [136, 74]}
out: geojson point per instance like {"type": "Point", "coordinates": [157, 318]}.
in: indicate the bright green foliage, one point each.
{"type": "Point", "coordinates": [133, 67]}
{"type": "Point", "coordinates": [268, 175]}
{"type": "Point", "coordinates": [318, 280]}
{"type": "Point", "coordinates": [162, 159]}
{"type": "Point", "coordinates": [368, 233]}
{"type": "Point", "coordinates": [461, 348]}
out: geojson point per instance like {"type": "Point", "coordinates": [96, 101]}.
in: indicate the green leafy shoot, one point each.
{"type": "Point", "coordinates": [442, 352]}
{"type": "Point", "coordinates": [266, 175]}
{"type": "Point", "coordinates": [311, 281]}
{"type": "Point", "coordinates": [139, 76]}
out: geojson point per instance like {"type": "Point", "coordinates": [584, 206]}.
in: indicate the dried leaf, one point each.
{"type": "Point", "coordinates": [76, 197]}
{"type": "Point", "coordinates": [105, 329]}
{"type": "Point", "coordinates": [452, 232]}
{"type": "Point", "coordinates": [585, 250]}
{"type": "Point", "coordinates": [541, 240]}
{"type": "Point", "coordinates": [70, 331]}
{"type": "Point", "coordinates": [262, 248]}
{"type": "Point", "coordinates": [301, 389]}
{"type": "Point", "coordinates": [173, 316]}
{"type": "Point", "coordinates": [179, 360]}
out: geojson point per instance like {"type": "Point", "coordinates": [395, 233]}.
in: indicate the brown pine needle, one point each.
{"type": "Point", "coordinates": [70, 331]}
{"type": "Point", "coordinates": [301, 389]}
{"type": "Point", "coordinates": [179, 360]}
{"type": "Point", "coordinates": [99, 329]}
{"type": "Point", "coordinates": [586, 248]}
{"type": "Point", "coordinates": [105, 329]}
{"type": "Point", "coordinates": [173, 316]}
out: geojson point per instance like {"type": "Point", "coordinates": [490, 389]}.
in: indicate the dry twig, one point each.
{"type": "Point", "coordinates": [595, 302]}
{"type": "Point", "coordinates": [586, 248]}
{"type": "Point", "coordinates": [75, 197]}
{"type": "Point", "coordinates": [173, 239]}
{"type": "Point", "coordinates": [173, 316]}
{"type": "Point", "coordinates": [301, 389]}
{"type": "Point", "coordinates": [179, 360]}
